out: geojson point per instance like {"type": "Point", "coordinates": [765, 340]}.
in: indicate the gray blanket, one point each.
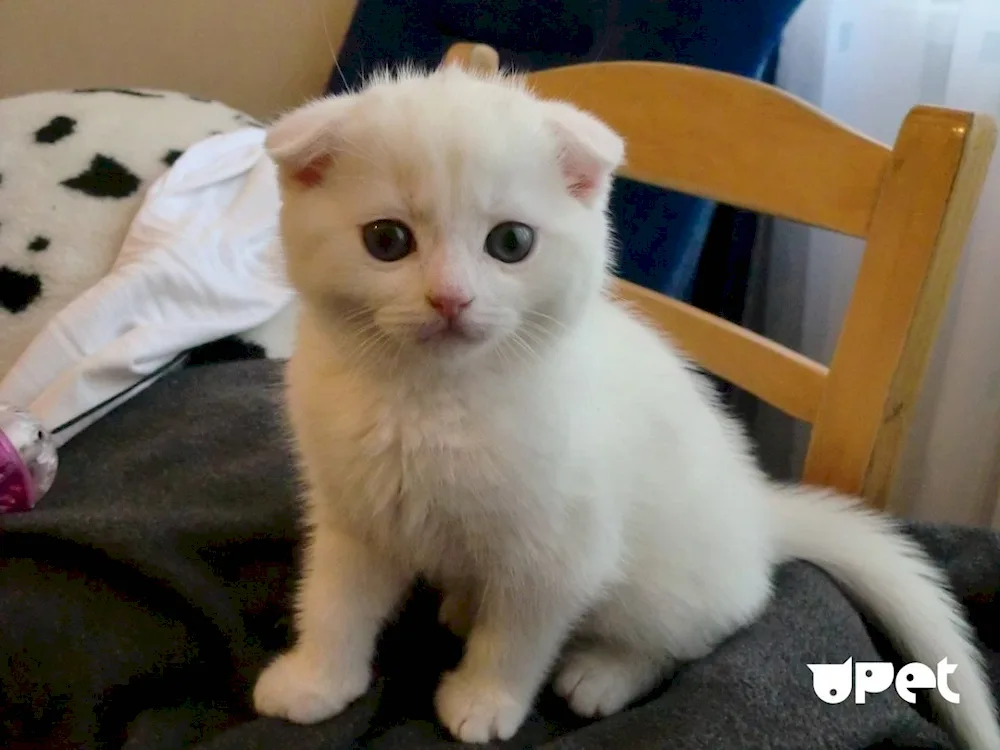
{"type": "Point", "coordinates": [139, 600]}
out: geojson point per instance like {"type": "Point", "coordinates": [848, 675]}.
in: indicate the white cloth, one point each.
{"type": "Point", "coordinates": [201, 261]}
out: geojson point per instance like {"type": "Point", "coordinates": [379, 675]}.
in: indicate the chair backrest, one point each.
{"type": "Point", "coordinates": [751, 145]}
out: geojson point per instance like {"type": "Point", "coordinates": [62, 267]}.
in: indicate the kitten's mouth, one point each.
{"type": "Point", "coordinates": [450, 330]}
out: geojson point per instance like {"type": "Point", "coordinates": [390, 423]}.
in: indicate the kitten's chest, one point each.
{"type": "Point", "coordinates": [444, 476]}
{"type": "Point", "coordinates": [443, 445]}
{"type": "Point", "coordinates": [431, 469]}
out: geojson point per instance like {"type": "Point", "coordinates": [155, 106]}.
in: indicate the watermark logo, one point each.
{"type": "Point", "coordinates": [833, 683]}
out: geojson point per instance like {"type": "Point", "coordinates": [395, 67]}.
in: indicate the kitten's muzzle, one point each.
{"type": "Point", "coordinates": [450, 322]}
{"type": "Point", "coordinates": [449, 306]}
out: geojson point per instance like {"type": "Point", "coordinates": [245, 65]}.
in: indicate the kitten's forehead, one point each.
{"type": "Point", "coordinates": [449, 137]}
{"type": "Point", "coordinates": [467, 108]}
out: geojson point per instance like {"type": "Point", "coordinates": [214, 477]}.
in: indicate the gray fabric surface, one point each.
{"type": "Point", "coordinates": [141, 597]}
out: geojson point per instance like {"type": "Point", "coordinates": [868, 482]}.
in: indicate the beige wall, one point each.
{"type": "Point", "coordinates": [261, 56]}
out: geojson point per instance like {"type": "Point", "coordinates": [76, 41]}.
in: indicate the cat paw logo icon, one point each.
{"type": "Point", "coordinates": [832, 683]}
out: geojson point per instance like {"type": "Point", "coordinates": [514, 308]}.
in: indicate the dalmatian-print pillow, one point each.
{"type": "Point", "coordinates": [74, 166]}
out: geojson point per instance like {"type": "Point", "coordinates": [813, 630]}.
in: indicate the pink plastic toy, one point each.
{"type": "Point", "coordinates": [28, 460]}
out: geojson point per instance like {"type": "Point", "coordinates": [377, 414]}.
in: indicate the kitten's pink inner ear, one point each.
{"type": "Point", "coordinates": [589, 151]}
{"type": "Point", "coordinates": [303, 142]}
{"type": "Point", "coordinates": [312, 173]}
{"type": "Point", "coordinates": [580, 173]}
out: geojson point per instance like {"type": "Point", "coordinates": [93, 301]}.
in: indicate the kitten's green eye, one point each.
{"type": "Point", "coordinates": [388, 240]}
{"type": "Point", "coordinates": [510, 242]}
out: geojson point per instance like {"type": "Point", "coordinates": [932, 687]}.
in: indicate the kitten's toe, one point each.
{"type": "Point", "coordinates": [599, 680]}
{"type": "Point", "coordinates": [303, 691]}
{"type": "Point", "coordinates": [476, 710]}
{"type": "Point", "coordinates": [456, 614]}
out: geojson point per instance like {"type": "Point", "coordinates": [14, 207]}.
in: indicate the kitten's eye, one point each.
{"type": "Point", "coordinates": [510, 242]}
{"type": "Point", "coordinates": [388, 240]}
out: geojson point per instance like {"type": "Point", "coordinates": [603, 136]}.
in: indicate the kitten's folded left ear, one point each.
{"type": "Point", "coordinates": [303, 142]}
{"type": "Point", "coordinates": [589, 151]}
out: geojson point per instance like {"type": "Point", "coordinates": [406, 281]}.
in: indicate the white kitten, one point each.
{"type": "Point", "coordinates": [470, 406]}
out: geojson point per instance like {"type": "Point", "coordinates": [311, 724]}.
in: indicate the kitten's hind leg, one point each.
{"type": "Point", "coordinates": [458, 611]}
{"type": "Point", "coordinates": [598, 678]}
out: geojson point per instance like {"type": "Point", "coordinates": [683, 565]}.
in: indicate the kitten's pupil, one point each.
{"type": "Point", "coordinates": [387, 239]}
{"type": "Point", "coordinates": [510, 242]}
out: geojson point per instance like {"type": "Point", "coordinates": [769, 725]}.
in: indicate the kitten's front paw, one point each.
{"type": "Point", "coordinates": [478, 710]}
{"type": "Point", "coordinates": [304, 691]}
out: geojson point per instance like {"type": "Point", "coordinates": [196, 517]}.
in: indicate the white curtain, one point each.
{"type": "Point", "coordinates": [867, 62]}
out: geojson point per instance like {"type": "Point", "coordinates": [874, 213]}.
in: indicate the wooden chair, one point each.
{"type": "Point", "coordinates": [751, 145]}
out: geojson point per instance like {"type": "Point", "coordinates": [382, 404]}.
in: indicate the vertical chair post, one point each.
{"type": "Point", "coordinates": [918, 228]}
{"type": "Point", "coordinates": [479, 57]}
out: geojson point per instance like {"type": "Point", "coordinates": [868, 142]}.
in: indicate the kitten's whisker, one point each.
{"type": "Point", "coordinates": [501, 350]}
{"type": "Point", "coordinates": [519, 350]}
{"type": "Point", "coordinates": [535, 356]}
{"type": "Point", "coordinates": [397, 354]}
{"type": "Point", "coordinates": [545, 316]}
{"type": "Point", "coordinates": [329, 44]}
{"type": "Point", "coordinates": [356, 315]}
{"type": "Point", "coordinates": [540, 336]}
{"type": "Point", "coordinates": [369, 336]}
{"type": "Point", "coordinates": [365, 354]}
{"type": "Point", "coordinates": [401, 318]}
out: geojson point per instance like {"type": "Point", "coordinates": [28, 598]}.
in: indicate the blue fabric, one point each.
{"type": "Point", "coordinates": [661, 233]}
{"type": "Point", "coordinates": [720, 285]}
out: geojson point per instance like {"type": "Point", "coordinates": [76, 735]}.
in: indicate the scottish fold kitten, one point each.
{"type": "Point", "coordinates": [470, 406]}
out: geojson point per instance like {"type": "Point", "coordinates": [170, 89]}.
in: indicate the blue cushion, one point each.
{"type": "Point", "coordinates": [661, 233]}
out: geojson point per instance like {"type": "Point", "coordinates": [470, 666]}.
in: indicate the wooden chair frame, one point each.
{"type": "Point", "coordinates": [748, 144]}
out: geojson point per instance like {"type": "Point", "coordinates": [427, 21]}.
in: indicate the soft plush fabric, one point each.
{"type": "Point", "coordinates": [662, 233]}
{"type": "Point", "coordinates": [74, 166]}
{"type": "Point", "coordinates": [140, 598]}
{"type": "Point", "coordinates": [201, 260]}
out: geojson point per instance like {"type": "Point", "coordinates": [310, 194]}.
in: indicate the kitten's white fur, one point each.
{"type": "Point", "coordinates": [564, 477]}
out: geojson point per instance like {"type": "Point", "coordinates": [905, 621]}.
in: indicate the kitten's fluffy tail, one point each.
{"type": "Point", "coordinates": [894, 579]}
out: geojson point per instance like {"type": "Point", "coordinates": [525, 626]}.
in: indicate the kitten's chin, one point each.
{"type": "Point", "coordinates": [440, 331]}
{"type": "Point", "coordinates": [444, 342]}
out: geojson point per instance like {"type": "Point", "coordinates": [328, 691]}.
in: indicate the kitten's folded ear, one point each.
{"type": "Point", "coordinates": [589, 151]}
{"type": "Point", "coordinates": [303, 142]}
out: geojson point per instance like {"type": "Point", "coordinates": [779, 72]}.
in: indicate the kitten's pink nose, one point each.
{"type": "Point", "coordinates": [449, 306]}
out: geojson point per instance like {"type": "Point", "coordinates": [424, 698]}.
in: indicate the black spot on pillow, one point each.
{"type": "Point", "coordinates": [1, 178]}
{"type": "Point", "coordinates": [104, 178]}
{"type": "Point", "coordinates": [17, 289]}
{"type": "Point", "coordinates": [124, 92]}
{"type": "Point", "coordinates": [171, 156]}
{"type": "Point", "coordinates": [39, 243]}
{"type": "Point", "coordinates": [55, 130]}
{"type": "Point", "coordinates": [228, 349]}
{"type": "Point", "coordinates": [245, 120]}
{"type": "Point", "coordinates": [214, 132]}
{"type": "Point", "coordinates": [194, 98]}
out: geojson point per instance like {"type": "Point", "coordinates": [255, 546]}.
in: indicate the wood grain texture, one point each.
{"type": "Point", "coordinates": [780, 376]}
{"type": "Point", "coordinates": [918, 230]}
{"type": "Point", "coordinates": [730, 139]}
